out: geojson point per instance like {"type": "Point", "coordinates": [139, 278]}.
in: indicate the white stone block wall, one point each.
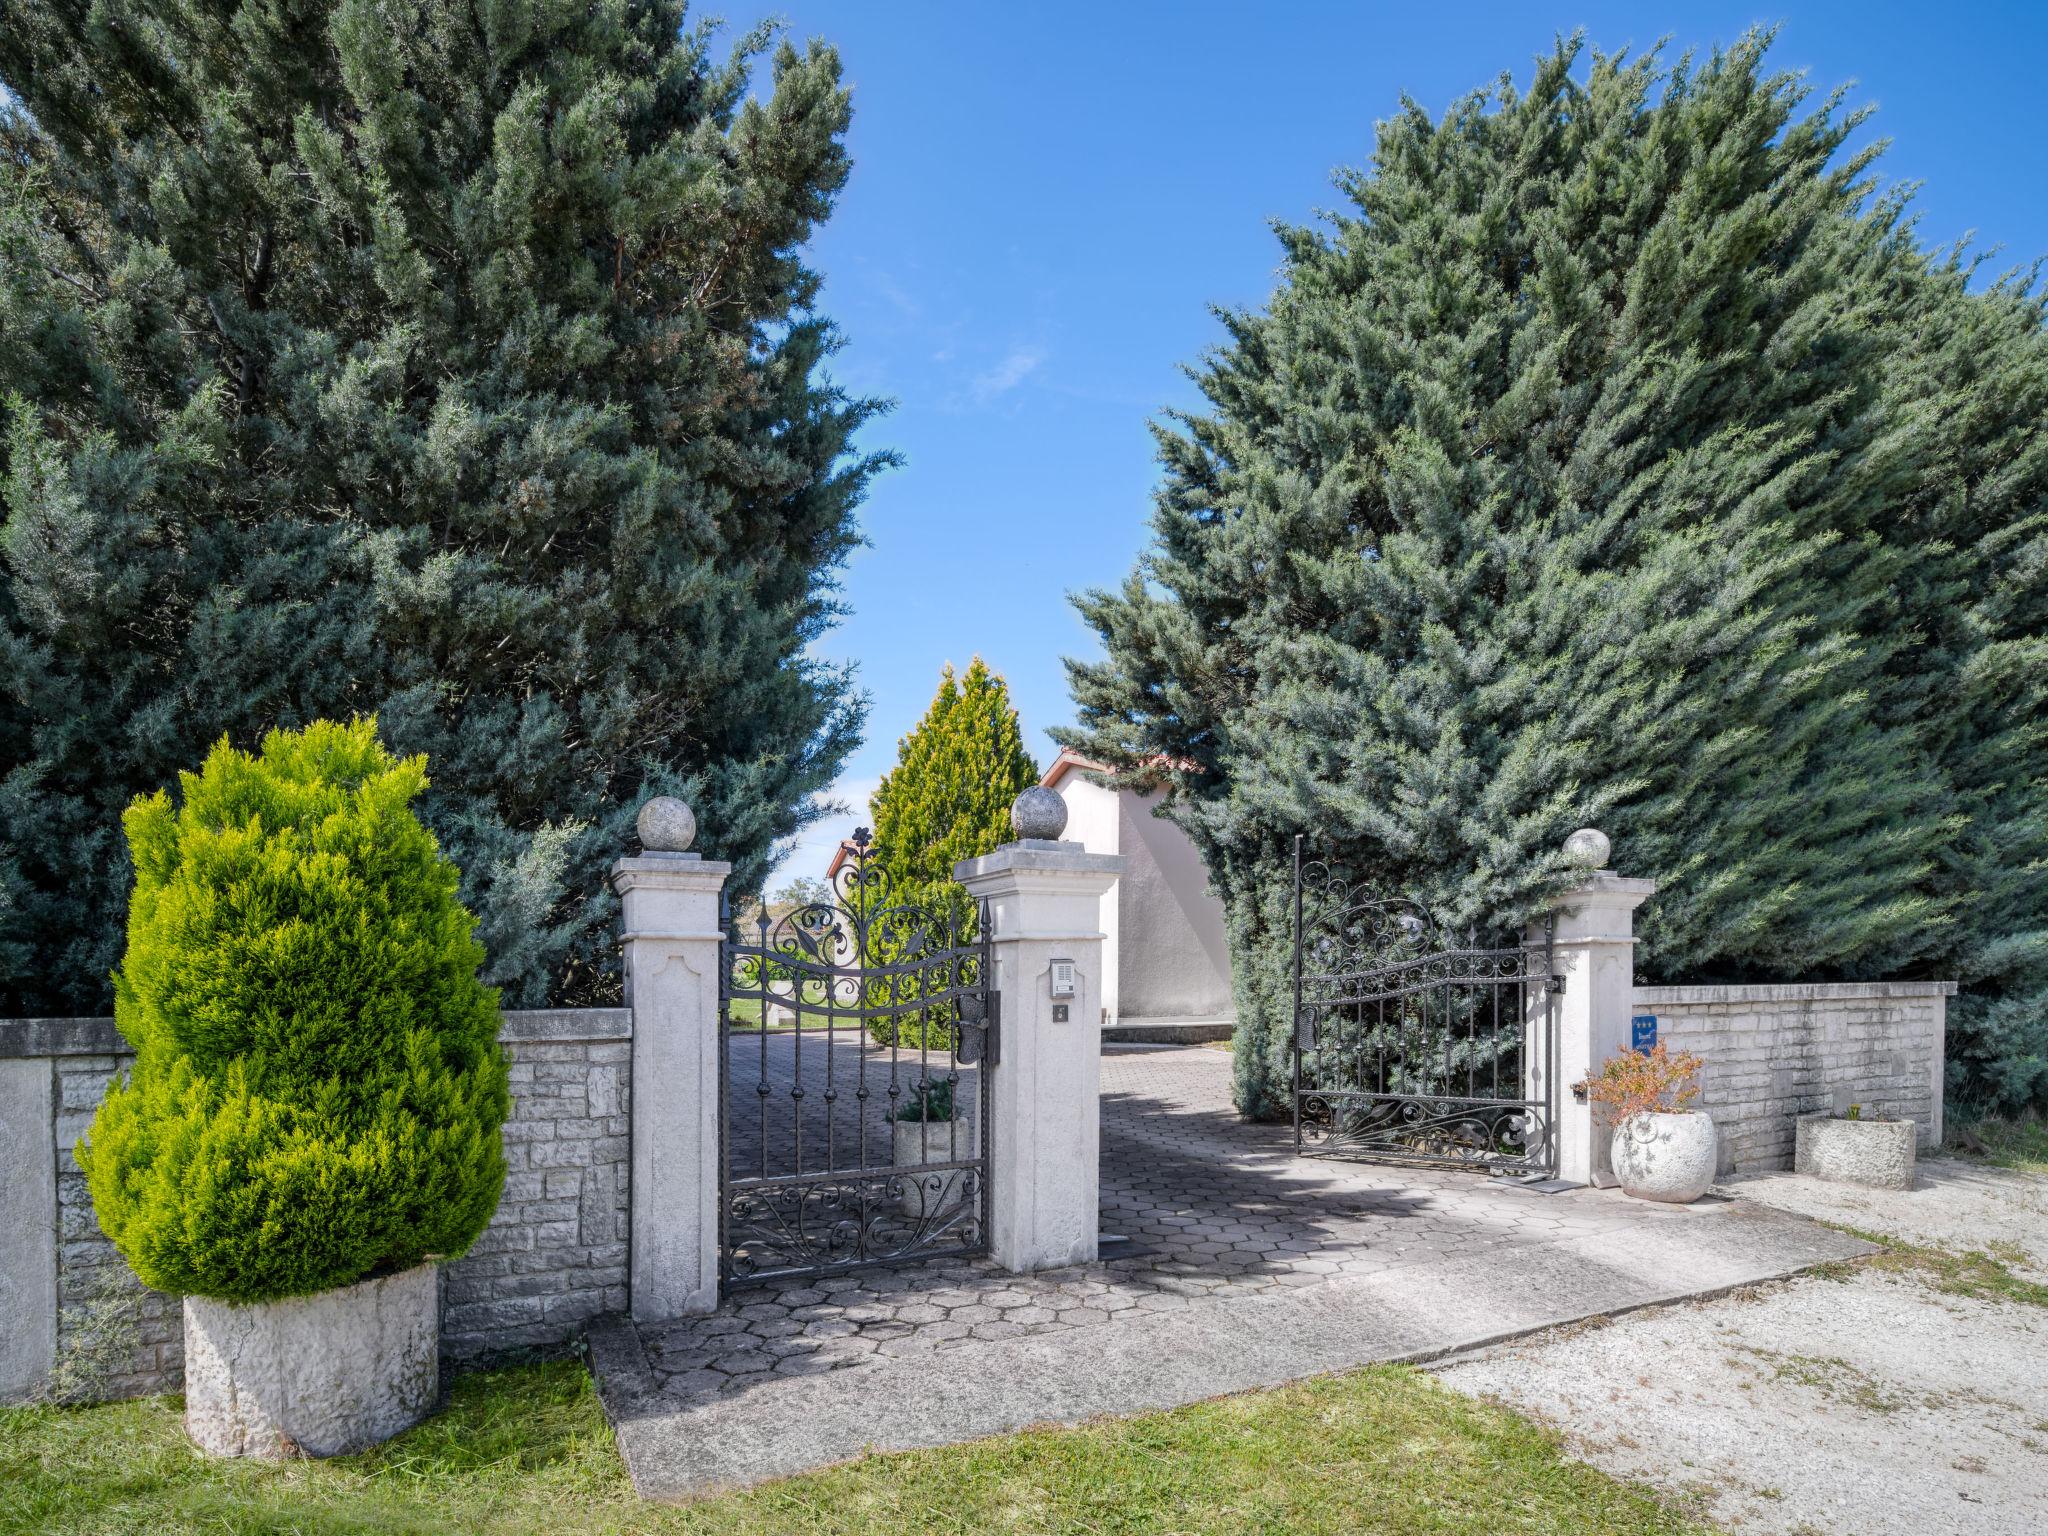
{"type": "Point", "coordinates": [553, 1257]}
{"type": "Point", "coordinates": [1775, 1052]}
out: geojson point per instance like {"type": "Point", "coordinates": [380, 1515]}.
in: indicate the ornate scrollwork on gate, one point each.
{"type": "Point", "coordinates": [1346, 926]}
{"type": "Point", "coordinates": [881, 1217]}
{"type": "Point", "coordinates": [1412, 1043]}
{"type": "Point", "coordinates": [1483, 1133]}
{"type": "Point", "coordinates": [858, 1043]}
{"type": "Point", "coordinates": [863, 951]}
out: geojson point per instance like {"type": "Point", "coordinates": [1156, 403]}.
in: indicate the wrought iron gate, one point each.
{"type": "Point", "coordinates": [858, 1037]}
{"type": "Point", "coordinates": [1412, 1045]}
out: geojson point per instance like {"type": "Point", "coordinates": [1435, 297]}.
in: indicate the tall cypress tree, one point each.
{"type": "Point", "coordinates": [452, 363]}
{"type": "Point", "coordinates": [1603, 467]}
{"type": "Point", "coordinates": [948, 798]}
{"type": "Point", "coordinates": [957, 773]}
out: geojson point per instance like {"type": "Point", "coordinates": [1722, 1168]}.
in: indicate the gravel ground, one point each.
{"type": "Point", "coordinates": [1861, 1403]}
{"type": "Point", "coordinates": [1952, 1204]}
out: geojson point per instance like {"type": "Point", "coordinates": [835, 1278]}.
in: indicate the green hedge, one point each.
{"type": "Point", "coordinates": [318, 1088]}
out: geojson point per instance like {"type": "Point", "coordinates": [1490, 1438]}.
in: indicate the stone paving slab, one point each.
{"type": "Point", "coordinates": [1252, 1268]}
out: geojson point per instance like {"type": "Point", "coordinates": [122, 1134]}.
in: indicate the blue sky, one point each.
{"type": "Point", "coordinates": [1047, 198]}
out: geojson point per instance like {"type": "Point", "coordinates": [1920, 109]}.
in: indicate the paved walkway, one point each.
{"type": "Point", "coordinates": [1244, 1267]}
{"type": "Point", "coordinates": [821, 1100]}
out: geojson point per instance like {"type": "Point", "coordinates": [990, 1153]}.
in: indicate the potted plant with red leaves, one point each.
{"type": "Point", "coordinates": [1663, 1149]}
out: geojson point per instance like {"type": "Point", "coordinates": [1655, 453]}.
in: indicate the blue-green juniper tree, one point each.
{"type": "Point", "coordinates": [1618, 457]}
{"type": "Point", "coordinates": [452, 363]}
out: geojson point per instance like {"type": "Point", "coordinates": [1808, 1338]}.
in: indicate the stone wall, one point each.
{"type": "Point", "coordinates": [1775, 1052]}
{"type": "Point", "coordinates": [115, 1336]}
{"type": "Point", "coordinates": [553, 1257]}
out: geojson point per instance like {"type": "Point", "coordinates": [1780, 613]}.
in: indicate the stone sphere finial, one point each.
{"type": "Point", "coordinates": [1039, 814]}
{"type": "Point", "coordinates": [1588, 848]}
{"type": "Point", "coordinates": [667, 825]}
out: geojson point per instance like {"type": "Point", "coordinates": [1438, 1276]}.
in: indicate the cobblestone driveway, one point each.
{"type": "Point", "coordinates": [851, 1089]}
{"type": "Point", "coordinates": [1209, 1207]}
{"type": "Point", "coordinates": [1243, 1266]}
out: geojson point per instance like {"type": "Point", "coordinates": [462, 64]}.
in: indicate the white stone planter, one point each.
{"type": "Point", "coordinates": [918, 1142]}
{"type": "Point", "coordinates": [315, 1375]}
{"type": "Point", "coordinates": [1876, 1153]}
{"type": "Point", "coordinates": [1669, 1157]}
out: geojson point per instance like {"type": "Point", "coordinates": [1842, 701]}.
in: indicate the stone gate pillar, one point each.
{"type": "Point", "coordinates": [671, 935]}
{"type": "Point", "coordinates": [1594, 952]}
{"type": "Point", "coordinates": [1045, 925]}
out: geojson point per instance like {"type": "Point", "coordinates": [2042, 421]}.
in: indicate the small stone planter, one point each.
{"type": "Point", "coordinates": [1666, 1156]}
{"type": "Point", "coordinates": [313, 1375]}
{"type": "Point", "coordinates": [1878, 1154]}
{"type": "Point", "coordinates": [918, 1142]}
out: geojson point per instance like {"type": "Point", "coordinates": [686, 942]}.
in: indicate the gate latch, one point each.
{"type": "Point", "coordinates": [979, 1036]}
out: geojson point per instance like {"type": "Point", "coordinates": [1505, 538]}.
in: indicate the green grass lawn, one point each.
{"type": "Point", "coordinates": [744, 1013]}
{"type": "Point", "coordinates": [1985, 1274]}
{"type": "Point", "coordinates": [527, 1450]}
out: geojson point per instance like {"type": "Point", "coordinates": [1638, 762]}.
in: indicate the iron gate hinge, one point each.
{"type": "Point", "coordinates": [979, 1039]}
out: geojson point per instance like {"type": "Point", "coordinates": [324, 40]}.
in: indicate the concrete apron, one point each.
{"type": "Point", "coordinates": [678, 1446]}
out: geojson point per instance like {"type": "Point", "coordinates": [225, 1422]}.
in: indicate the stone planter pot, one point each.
{"type": "Point", "coordinates": [315, 1375]}
{"type": "Point", "coordinates": [918, 1142]}
{"type": "Point", "coordinates": [1875, 1153]}
{"type": "Point", "coordinates": [1668, 1157]}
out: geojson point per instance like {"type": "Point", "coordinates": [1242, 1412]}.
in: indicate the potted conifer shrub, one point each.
{"type": "Point", "coordinates": [927, 1129]}
{"type": "Point", "coordinates": [1662, 1148]}
{"type": "Point", "coordinates": [312, 1120]}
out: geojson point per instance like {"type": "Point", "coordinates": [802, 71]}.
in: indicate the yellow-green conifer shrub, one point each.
{"type": "Point", "coordinates": [318, 1089]}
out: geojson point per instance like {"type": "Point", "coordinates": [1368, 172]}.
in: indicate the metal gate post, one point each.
{"type": "Point", "coordinates": [671, 936]}
{"type": "Point", "coordinates": [1044, 929]}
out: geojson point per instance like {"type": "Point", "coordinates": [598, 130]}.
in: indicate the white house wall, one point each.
{"type": "Point", "coordinates": [1093, 822]}
{"type": "Point", "coordinates": [1173, 962]}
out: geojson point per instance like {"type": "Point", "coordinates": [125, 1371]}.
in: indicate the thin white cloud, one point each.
{"type": "Point", "coordinates": [1013, 370]}
{"type": "Point", "coordinates": [898, 297]}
